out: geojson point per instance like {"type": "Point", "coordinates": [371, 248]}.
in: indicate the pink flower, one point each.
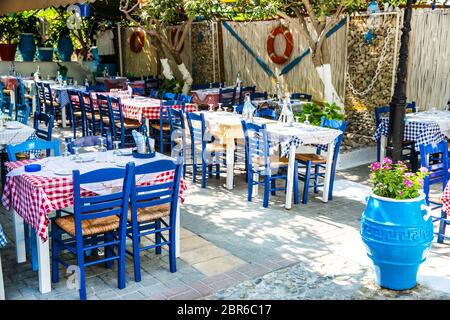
{"type": "Point", "coordinates": [400, 193]}
{"type": "Point", "coordinates": [420, 181]}
{"type": "Point", "coordinates": [408, 174]}
{"type": "Point", "coordinates": [387, 167]}
{"type": "Point", "coordinates": [401, 163]}
{"type": "Point", "coordinates": [423, 170]}
{"type": "Point", "coordinates": [372, 176]}
{"type": "Point", "coordinates": [375, 166]}
{"type": "Point", "coordinates": [387, 160]}
{"type": "Point", "coordinates": [408, 183]}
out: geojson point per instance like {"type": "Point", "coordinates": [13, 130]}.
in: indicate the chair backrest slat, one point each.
{"type": "Point", "coordinates": [31, 145]}
{"type": "Point", "coordinates": [48, 121]}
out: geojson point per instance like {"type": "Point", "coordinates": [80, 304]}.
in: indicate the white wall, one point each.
{"type": "Point", "coordinates": [46, 68]}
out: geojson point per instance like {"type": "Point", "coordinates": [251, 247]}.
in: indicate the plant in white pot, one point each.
{"type": "Point", "coordinates": [396, 226]}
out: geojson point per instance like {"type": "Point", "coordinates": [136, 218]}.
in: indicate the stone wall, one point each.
{"type": "Point", "coordinates": [205, 58]}
{"type": "Point", "coordinates": [363, 58]}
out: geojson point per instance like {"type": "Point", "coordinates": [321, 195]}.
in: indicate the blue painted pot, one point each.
{"type": "Point", "coordinates": [27, 47]}
{"type": "Point", "coordinates": [65, 48]}
{"type": "Point", "coordinates": [85, 9]}
{"type": "Point", "coordinates": [45, 54]}
{"type": "Point", "coordinates": [397, 235]}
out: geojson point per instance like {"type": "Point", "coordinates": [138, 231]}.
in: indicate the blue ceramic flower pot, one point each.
{"type": "Point", "coordinates": [397, 235]}
{"type": "Point", "coordinates": [45, 54]}
{"type": "Point", "coordinates": [27, 47]}
{"type": "Point", "coordinates": [85, 9]}
{"type": "Point", "coordinates": [65, 48]}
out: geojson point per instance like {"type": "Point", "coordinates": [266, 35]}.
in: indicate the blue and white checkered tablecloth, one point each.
{"type": "Point", "coordinates": [3, 241]}
{"type": "Point", "coordinates": [419, 131]}
{"type": "Point", "coordinates": [62, 95]}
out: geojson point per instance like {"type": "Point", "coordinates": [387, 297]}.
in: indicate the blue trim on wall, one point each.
{"type": "Point", "coordinates": [295, 62]}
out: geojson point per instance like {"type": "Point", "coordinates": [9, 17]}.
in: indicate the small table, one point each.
{"type": "Point", "coordinates": [428, 127]}
{"type": "Point", "coordinates": [227, 127]}
{"type": "Point", "coordinates": [31, 197]}
{"type": "Point", "coordinates": [210, 96]}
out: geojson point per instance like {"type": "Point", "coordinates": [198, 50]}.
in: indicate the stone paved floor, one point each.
{"type": "Point", "coordinates": [234, 249]}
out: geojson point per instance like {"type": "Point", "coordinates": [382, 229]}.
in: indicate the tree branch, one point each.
{"type": "Point", "coordinates": [186, 26]}
{"type": "Point", "coordinates": [312, 15]}
{"type": "Point", "coordinates": [301, 24]}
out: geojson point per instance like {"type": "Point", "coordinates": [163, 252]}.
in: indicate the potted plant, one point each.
{"type": "Point", "coordinates": [396, 226]}
{"type": "Point", "coordinates": [62, 71]}
{"type": "Point", "coordinates": [64, 44]}
{"type": "Point", "coordinates": [314, 113]}
{"type": "Point", "coordinates": [29, 26]}
{"type": "Point", "coordinates": [45, 50]}
{"type": "Point", "coordinates": [9, 34]}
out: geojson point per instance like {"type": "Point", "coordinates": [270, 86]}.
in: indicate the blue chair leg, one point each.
{"type": "Point", "coordinates": [378, 150]}
{"type": "Point", "coordinates": [210, 171]}
{"type": "Point", "coordinates": [161, 142]}
{"type": "Point", "coordinates": [273, 185]}
{"type": "Point", "coordinates": [136, 251]}
{"type": "Point", "coordinates": [172, 251]}
{"type": "Point", "coordinates": [34, 255]}
{"type": "Point", "coordinates": [296, 196]}
{"type": "Point", "coordinates": [330, 191]}
{"type": "Point", "coordinates": [109, 251]}
{"type": "Point", "coordinates": [316, 178]}
{"type": "Point", "coordinates": [203, 174]}
{"type": "Point", "coordinates": [306, 185]}
{"type": "Point", "coordinates": [194, 173]}
{"type": "Point", "coordinates": [249, 186]}
{"type": "Point", "coordinates": [158, 236]}
{"type": "Point", "coordinates": [217, 171]}
{"type": "Point", "coordinates": [266, 191]}
{"type": "Point", "coordinates": [55, 253]}
{"type": "Point", "coordinates": [121, 263]}
{"type": "Point", "coordinates": [81, 273]}
{"type": "Point", "coordinates": [442, 225]}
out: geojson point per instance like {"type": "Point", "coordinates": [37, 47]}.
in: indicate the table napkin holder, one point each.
{"type": "Point", "coordinates": [33, 167]}
{"type": "Point", "coordinates": [144, 150]}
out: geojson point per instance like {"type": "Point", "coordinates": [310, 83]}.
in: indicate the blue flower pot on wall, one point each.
{"type": "Point", "coordinates": [65, 48]}
{"type": "Point", "coordinates": [27, 47]}
{"type": "Point", "coordinates": [45, 54]}
{"type": "Point", "coordinates": [397, 235]}
{"type": "Point", "coordinates": [85, 9]}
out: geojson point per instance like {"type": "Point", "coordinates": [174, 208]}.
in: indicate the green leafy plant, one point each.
{"type": "Point", "coordinates": [62, 69]}
{"type": "Point", "coordinates": [10, 28]}
{"type": "Point", "coordinates": [171, 86]}
{"type": "Point", "coordinates": [315, 113]}
{"type": "Point", "coordinates": [29, 23]}
{"type": "Point", "coordinates": [394, 181]}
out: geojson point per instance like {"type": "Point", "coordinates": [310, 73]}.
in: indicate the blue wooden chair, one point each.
{"type": "Point", "coordinates": [88, 141]}
{"type": "Point", "coordinates": [178, 136]}
{"type": "Point", "coordinates": [121, 128]}
{"type": "Point", "coordinates": [98, 221]}
{"type": "Point", "coordinates": [77, 113]}
{"type": "Point", "coordinates": [137, 91]}
{"type": "Point", "coordinates": [161, 129]}
{"type": "Point", "coordinates": [104, 115]}
{"type": "Point", "coordinates": [48, 121]}
{"type": "Point", "coordinates": [244, 91]}
{"type": "Point", "coordinates": [301, 96]}
{"type": "Point", "coordinates": [154, 211]}
{"type": "Point", "coordinates": [30, 145]}
{"type": "Point", "coordinates": [40, 96]}
{"type": "Point", "coordinates": [317, 162]}
{"type": "Point", "coordinates": [7, 105]}
{"type": "Point", "coordinates": [169, 96]}
{"type": "Point", "coordinates": [260, 162]}
{"type": "Point", "coordinates": [92, 115]}
{"type": "Point", "coordinates": [22, 98]}
{"type": "Point", "coordinates": [154, 93]}
{"type": "Point", "coordinates": [227, 97]}
{"type": "Point", "coordinates": [23, 113]}
{"type": "Point", "coordinates": [152, 85]}
{"type": "Point", "coordinates": [52, 107]}
{"type": "Point", "coordinates": [185, 98]}
{"type": "Point", "coordinates": [435, 159]}
{"type": "Point", "coordinates": [258, 96]}
{"type": "Point", "coordinates": [409, 146]}
{"type": "Point", "coordinates": [268, 113]}
{"type": "Point", "coordinates": [96, 88]}
{"type": "Point", "coordinates": [204, 149]}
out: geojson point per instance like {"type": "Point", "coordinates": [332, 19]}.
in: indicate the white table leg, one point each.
{"type": "Point", "coordinates": [177, 231]}
{"type": "Point", "coordinates": [2, 287]}
{"type": "Point", "coordinates": [43, 249]}
{"type": "Point", "coordinates": [33, 104]}
{"type": "Point", "coordinates": [19, 234]}
{"type": "Point", "coordinates": [63, 116]}
{"type": "Point", "coordinates": [13, 98]}
{"type": "Point", "coordinates": [290, 178]}
{"type": "Point", "coordinates": [329, 164]}
{"type": "Point", "coordinates": [383, 143]}
{"type": "Point", "coordinates": [230, 163]}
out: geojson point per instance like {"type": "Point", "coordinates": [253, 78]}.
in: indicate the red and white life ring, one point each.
{"type": "Point", "coordinates": [137, 41]}
{"type": "Point", "coordinates": [289, 45]}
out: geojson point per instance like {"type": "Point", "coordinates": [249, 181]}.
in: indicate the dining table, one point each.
{"type": "Point", "coordinates": [3, 243]}
{"type": "Point", "coordinates": [31, 197]}
{"type": "Point", "coordinates": [226, 127]}
{"type": "Point", "coordinates": [210, 96]}
{"type": "Point", "coordinates": [425, 127]}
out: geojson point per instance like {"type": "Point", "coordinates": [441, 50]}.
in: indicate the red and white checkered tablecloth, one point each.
{"type": "Point", "coordinates": [34, 197]}
{"type": "Point", "coordinates": [149, 108]}
{"type": "Point", "coordinates": [445, 198]}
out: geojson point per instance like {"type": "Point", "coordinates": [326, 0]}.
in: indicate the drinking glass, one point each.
{"type": "Point", "coordinates": [77, 154]}
{"type": "Point", "coordinates": [102, 151]}
{"type": "Point", "coordinates": [220, 107]}
{"type": "Point", "coordinates": [66, 152]}
{"type": "Point", "coordinates": [211, 107]}
{"type": "Point", "coordinates": [234, 109]}
{"type": "Point", "coordinates": [210, 85]}
{"type": "Point", "coordinates": [116, 152]}
{"type": "Point", "coordinates": [307, 119]}
{"type": "Point", "coordinates": [297, 119]}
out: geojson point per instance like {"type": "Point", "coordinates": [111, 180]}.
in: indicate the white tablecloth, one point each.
{"type": "Point", "coordinates": [15, 136]}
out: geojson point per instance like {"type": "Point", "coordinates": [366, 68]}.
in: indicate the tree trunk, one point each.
{"type": "Point", "coordinates": [187, 78]}
{"type": "Point", "coordinates": [321, 60]}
